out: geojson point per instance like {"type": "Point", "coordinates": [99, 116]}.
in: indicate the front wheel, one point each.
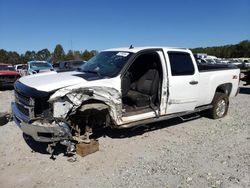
{"type": "Point", "coordinates": [220, 106]}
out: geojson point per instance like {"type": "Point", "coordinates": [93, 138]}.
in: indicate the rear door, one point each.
{"type": "Point", "coordinates": [183, 82]}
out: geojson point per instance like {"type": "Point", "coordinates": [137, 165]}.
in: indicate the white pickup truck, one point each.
{"type": "Point", "coordinates": [121, 88]}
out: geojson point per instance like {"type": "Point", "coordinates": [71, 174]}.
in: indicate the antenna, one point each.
{"type": "Point", "coordinates": [131, 46]}
{"type": "Point", "coordinates": [71, 43]}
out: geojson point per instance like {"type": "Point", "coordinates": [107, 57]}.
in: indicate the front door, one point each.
{"type": "Point", "coordinates": [145, 61]}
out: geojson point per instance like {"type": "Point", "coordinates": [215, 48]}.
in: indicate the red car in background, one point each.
{"type": "Point", "coordinates": [8, 75]}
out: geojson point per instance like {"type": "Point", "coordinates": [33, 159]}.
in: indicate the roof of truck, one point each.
{"type": "Point", "coordinates": [137, 49]}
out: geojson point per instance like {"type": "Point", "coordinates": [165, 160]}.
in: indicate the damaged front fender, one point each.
{"type": "Point", "coordinates": [67, 101]}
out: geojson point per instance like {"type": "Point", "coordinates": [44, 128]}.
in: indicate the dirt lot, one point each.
{"type": "Point", "coordinates": [197, 153]}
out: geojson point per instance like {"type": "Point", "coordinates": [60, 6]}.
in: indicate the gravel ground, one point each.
{"type": "Point", "coordinates": [197, 153]}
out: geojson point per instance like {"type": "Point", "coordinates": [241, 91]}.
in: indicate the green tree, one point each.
{"type": "Point", "coordinates": [43, 54]}
{"type": "Point", "coordinates": [29, 55]}
{"type": "Point", "coordinates": [22, 59]}
{"type": "Point", "coordinates": [86, 55]}
{"type": "Point", "coordinates": [77, 55]}
{"type": "Point", "coordinates": [3, 56]}
{"type": "Point", "coordinates": [244, 48]}
{"type": "Point", "coordinates": [70, 55]}
{"type": "Point", "coordinates": [58, 54]}
{"type": "Point", "coordinates": [13, 58]}
{"type": "Point", "coordinates": [93, 52]}
{"type": "Point", "coordinates": [241, 49]}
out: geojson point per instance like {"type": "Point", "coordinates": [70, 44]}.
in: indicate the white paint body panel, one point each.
{"type": "Point", "coordinates": [209, 81]}
{"type": "Point", "coordinates": [53, 81]}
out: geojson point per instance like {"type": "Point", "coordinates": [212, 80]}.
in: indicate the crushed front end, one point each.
{"type": "Point", "coordinates": [33, 114]}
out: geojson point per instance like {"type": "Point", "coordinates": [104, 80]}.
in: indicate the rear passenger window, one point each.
{"type": "Point", "coordinates": [181, 63]}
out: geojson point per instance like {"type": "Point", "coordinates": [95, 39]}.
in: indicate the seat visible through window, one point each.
{"type": "Point", "coordinates": [144, 91]}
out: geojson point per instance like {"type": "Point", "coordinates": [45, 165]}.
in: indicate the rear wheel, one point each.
{"type": "Point", "coordinates": [220, 106]}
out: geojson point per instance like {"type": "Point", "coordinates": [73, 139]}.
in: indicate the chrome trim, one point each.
{"type": "Point", "coordinates": [57, 132]}
{"type": "Point", "coordinates": [29, 108]}
{"type": "Point", "coordinates": [26, 102]}
{"type": "Point", "coordinates": [19, 115]}
{"type": "Point", "coordinates": [24, 99]}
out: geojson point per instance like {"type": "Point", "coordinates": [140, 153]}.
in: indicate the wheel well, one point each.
{"type": "Point", "coordinates": [93, 113]}
{"type": "Point", "coordinates": [92, 101]}
{"type": "Point", "coordinates": [89, 117]}
{"type": "Point", "coordinates": [224, 88]}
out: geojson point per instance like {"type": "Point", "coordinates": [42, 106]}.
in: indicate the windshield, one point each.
{"type": "Point", "coordinates": [40, 65]}
{"type": "Point", "coordinates": [10, 68]}
{"type": "Point", "coordinates": [70, 64]}
{"type": "Point", "coordinates": [108, 63]}
{"type": "Point", "coordinates": [6, 68]}
{"type": "Point", "coordinates": [21, 67]}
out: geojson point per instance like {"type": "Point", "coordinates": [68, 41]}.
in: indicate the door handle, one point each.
{"type": "Point", "coordinates": [193, 82]}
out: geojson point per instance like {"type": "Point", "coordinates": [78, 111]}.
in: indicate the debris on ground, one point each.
{"type": "Point", "coordinates": [84, 149]}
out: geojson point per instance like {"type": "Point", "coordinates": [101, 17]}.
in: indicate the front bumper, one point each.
{"type": "Point", "coordinates": [41, 132]}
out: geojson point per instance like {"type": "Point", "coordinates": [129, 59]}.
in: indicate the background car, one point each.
{"type": "Point", "coordinates": [8, 75]}
{"type": "Point", "coordinates": [237, 62]}
{"type": "Point", "coordinates": [35, 67]}
{"type": "Point", "coordinates": [21, 69]}
{"type": "Point", "coordinates": [246, 62]}
{"type": "Point", "coordinates": [56, 66]}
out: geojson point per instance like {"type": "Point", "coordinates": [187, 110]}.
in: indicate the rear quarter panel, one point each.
{"type": "Point", "coordinates": [210, 80]}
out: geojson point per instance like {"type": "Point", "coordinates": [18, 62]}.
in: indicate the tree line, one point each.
{"type": "Point", "coordinates": [12, 57]}
{"type": "Point", "coordinates": [239, 50]}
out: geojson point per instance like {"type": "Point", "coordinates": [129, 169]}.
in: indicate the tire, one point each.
{"type": "Point", "coordinates": [220, 106]}
{"type": "Point", "coordinates": [4, 118]}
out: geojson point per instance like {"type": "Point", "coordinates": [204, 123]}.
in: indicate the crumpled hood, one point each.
{"type": "Point", "coordinates": [52, 81]}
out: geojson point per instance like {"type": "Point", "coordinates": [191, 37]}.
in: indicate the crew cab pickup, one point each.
{"type": "Point", "coordinates": [121, 88]}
